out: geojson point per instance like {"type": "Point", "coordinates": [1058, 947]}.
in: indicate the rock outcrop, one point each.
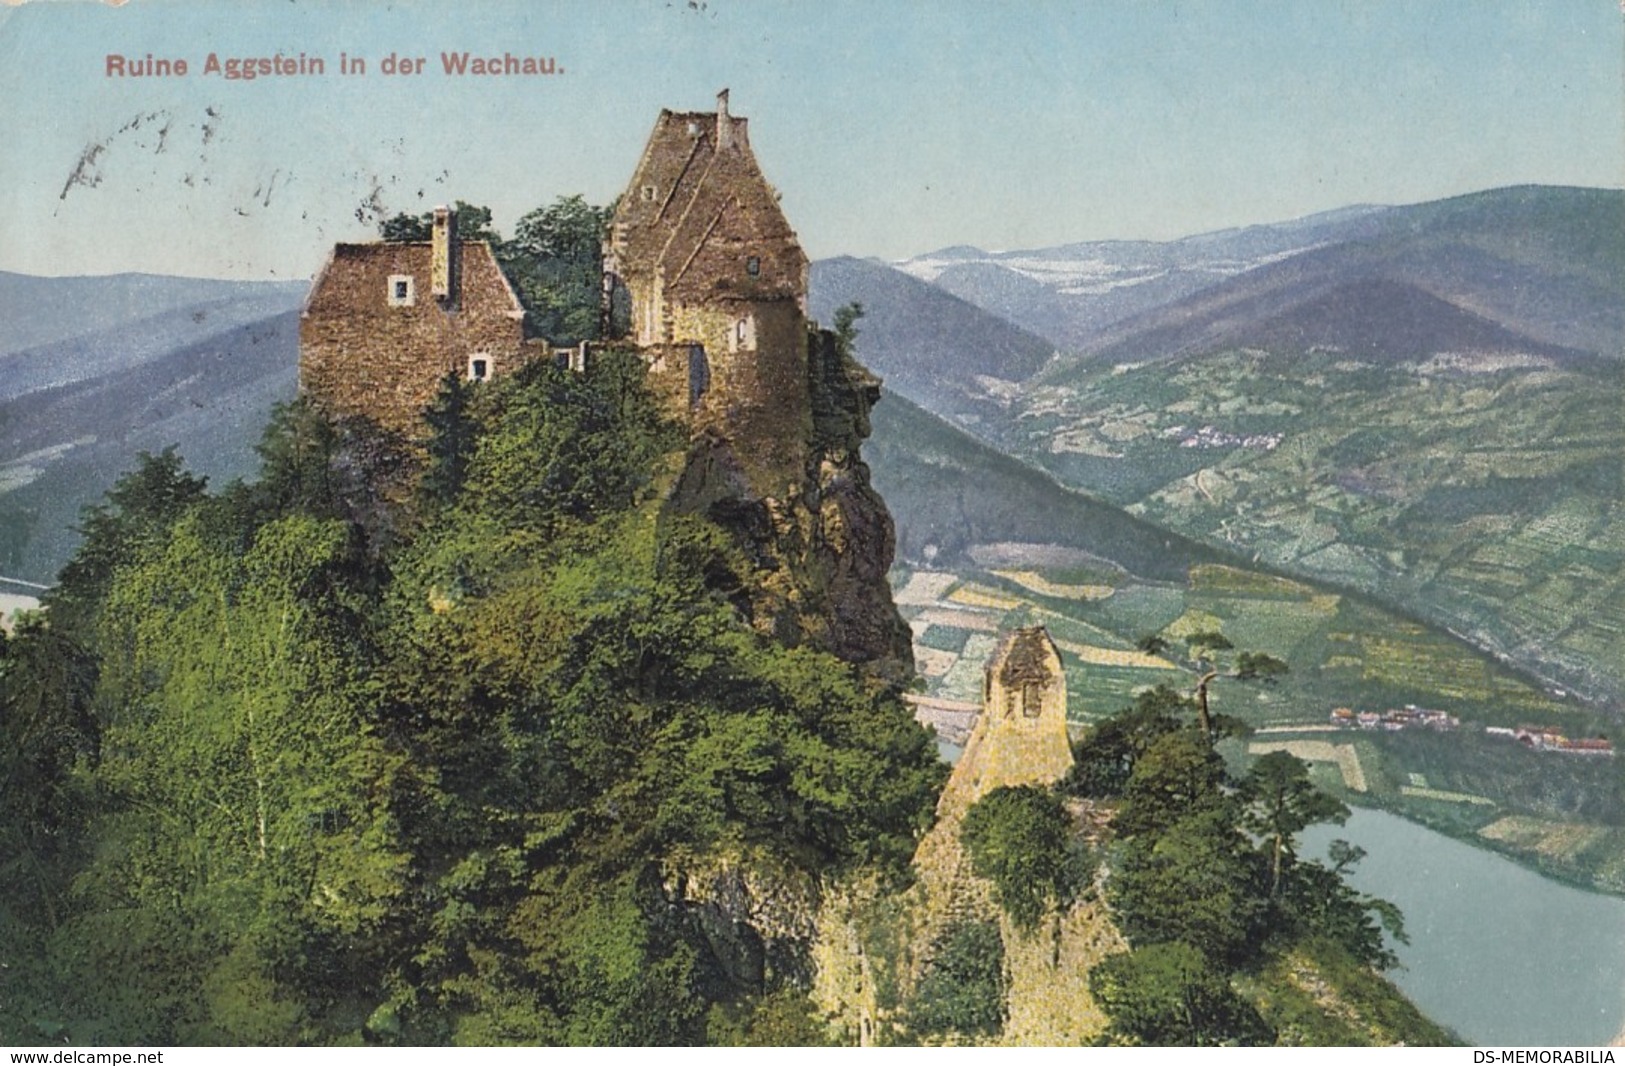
{"type": "Point", "coordinates": [820, 539]}
{"type": "Point", "coordinates": [872, 955]}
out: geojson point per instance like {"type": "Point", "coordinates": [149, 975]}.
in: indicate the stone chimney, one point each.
{"type": "Point", "coordinates": [725, 125]}
{"type": "Point", "coordinates": [444, 252]}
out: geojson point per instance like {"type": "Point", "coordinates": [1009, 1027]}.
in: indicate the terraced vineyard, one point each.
{"type": "Point", "coordinates": [1564, 813]}
{"type": "Point", "coordinates": [1486, 496]}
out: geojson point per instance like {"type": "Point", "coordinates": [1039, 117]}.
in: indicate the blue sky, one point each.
{"type": "Point", "coordinates": [891, 127]}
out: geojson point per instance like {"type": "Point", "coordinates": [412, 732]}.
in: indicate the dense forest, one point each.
{"type": "Point", "coordinates": [321, 758]}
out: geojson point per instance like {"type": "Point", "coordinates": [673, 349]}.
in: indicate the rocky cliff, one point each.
{"type": "Point", "coordinates": [817, 535]}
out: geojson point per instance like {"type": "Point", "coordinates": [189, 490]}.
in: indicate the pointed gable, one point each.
{"type": "Point", "coordinates": [376, 338]}
{"type": "Point", "coordinates": [700, 215]}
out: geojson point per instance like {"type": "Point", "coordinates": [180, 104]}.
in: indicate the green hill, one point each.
{"type": "Point", "coordinates": [950, 494]}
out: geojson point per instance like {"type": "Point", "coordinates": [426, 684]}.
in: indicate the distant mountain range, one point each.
{"type": "Point", "coordinates": [931, 346]}
{"type": "Point", "coordinates": [1070, 292]}
{"type": "Point", "coordinates": [953, 496]}
{"type": "Point", "coordinates": [1540, 262]}
{"type": "Point", "coordinates": [1509, 270]}
{"type": "Point", "coordinates": [94, 370]}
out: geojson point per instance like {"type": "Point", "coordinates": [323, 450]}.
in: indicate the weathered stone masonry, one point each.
{"type": "Point", "coordinates": [716, 285]}
{"type": "Point", "coordinates": [386, 321]}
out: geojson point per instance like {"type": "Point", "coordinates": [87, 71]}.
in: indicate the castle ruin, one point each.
{"type": "Point", "coordinates": [386, 321]}
{"type": "Point", "coordinates": [1020, 737]}
{"type": "Point", "coordinates": [715, 283]}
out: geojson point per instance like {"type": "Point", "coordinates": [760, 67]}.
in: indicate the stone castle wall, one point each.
{"type": "Point", "coordinates": [362, 355]}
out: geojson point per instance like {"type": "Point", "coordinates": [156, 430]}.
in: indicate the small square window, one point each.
{"type": "Point", "coordinates": [649, 194]}
{"type": "Point", "coordinates": [401, 290]}
{"type": "Point", "coordinates": [479, 368]}
{"type": "Point", "coordinates": [753, 266]}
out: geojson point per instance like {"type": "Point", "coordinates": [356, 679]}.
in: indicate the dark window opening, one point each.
{"type": "Point", "coordinates": [699, 374]}
{"type": "Point", "coordinates": [753, 265]}
{"type": "Point", "coordinates": [479, 369]}
{"type": "Point", "coordinates": [399, 292]}
{"type": "Point", "coordinates": [1030, 699]}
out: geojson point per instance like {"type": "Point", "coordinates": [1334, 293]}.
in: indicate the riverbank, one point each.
{"type": "Point", "coordinates": [1536, 862]}
{"type": "Point", "coordinates": [1498, 952]}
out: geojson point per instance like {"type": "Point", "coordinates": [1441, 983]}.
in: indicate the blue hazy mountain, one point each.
{"type": "Point", "coordinates": [1540, 262]}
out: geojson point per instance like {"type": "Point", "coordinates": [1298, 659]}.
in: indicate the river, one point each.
{"type": "Point", "coordinates": [1498, 953]}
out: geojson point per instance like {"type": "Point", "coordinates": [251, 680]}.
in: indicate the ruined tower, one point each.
{"type": "Point", "coordinates": [1020, 737]}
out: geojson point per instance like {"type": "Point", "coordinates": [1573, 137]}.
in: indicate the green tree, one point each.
{"type": "Point", "coordinates": [784, 1018]}
{"type": "Point", "coordinates": [963, 989]}
{"type": "Point", "coordinates": [1205, 655]}
{"type": "Point", "coordinates": [351, 469]}
{"type": "Point", "coordinates": [1316, 902]}
{"type": "Point", "coordinates": [48, 737]}
{"type": "Point", "coordinates": [1170, 995]}
{"type": "Point", "coordinates": [1178, 775]}
{"type": "Point", "coordinates": [403, 228]}
{"type": "Point", "coordinates": [239, 866]}
{"type": "Point", "coordinates": [1279, 801]}
{"type": "Point", "coordinates": [556, 262]}
{"type": "Point", "coordinates": [1195, 881]}
{"type": "Point", "coordinates": [473, 224]}
{"type": "Point", "coordinates": [846, 328]}
{"type": "Point", "coordinates": [584, 701]}
{"type": "Point", "coordinates": [141, 508]}
{"type": "Point", "coordinates": [453, 435]}
{"type": "Point", "coordinates": [564, 447]}
{"type": "Point", "coordinates": [1106, 756]}
{"type": "Point", "coordinates": [1020, 839]}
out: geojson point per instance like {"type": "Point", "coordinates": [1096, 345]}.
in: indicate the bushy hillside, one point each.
{"type": "Point", "coordinates": [951, 494]}
{"type": "Point", "coordinates": [335, 756]}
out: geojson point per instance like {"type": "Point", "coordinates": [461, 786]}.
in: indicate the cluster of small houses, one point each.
{"type": "Point", "coordinates": [1408, 717]}
{"type": "Point", "coordinates": [1549, 738]}
{"type": "Point", "coordinates": [1534, 737]}
{"type": "Point", "coordinates": [1211, 437]}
